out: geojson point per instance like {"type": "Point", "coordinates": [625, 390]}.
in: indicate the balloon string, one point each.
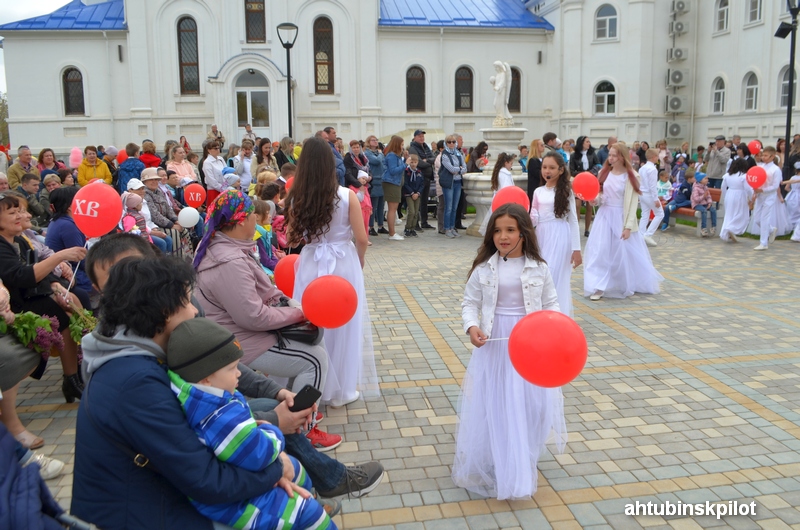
{"type": "Point", "coordinates": [490, 340]}
{"type": "Point", "coordinates": [75, 271]}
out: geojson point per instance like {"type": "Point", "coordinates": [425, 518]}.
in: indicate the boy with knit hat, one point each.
{"type": "Point", "coordinates": [203, 358]}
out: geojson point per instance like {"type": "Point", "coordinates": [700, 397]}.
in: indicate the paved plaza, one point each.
{"type": "Point", "coordinates": [692, 395]}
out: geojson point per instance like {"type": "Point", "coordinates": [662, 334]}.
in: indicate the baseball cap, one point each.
{"type": "Point", "coordinates": [135, 184]}
{"type": "Point", "coordinates": [418, 132]}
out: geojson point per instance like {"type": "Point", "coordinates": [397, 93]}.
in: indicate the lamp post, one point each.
{"type": "Point", "coordinates": [287, 33]}
{"type": "Point", "coordinates": [783, 31]}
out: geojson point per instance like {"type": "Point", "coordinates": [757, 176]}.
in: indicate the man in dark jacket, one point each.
{"type": "Point", "coordinates": [426, 160]}
{"type": "Point", "coordinates": [330, 135]}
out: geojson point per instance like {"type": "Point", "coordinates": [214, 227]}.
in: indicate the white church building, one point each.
{"type": "Point", "coordinates": [114, 71]}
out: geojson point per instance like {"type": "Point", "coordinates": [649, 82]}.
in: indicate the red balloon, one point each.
{"type": "Point", "coordinates": [122, 156]}
{"type": "Point", "coordinates": [513, 194]}
{"type": "Point", "coordinates": [754, 147]}
{"type": "Point", "coordinates": [585, 186]}
{"type": "Point", "coordinates": [547, 348]}
{"type": "Point", "coordinates": [284, 274]}
{"type": "Point", "coordinates": [756, 177]}
{"type": "Point", "coordinates": [289, 183]}
{"type": "Point", "coordinates": [96, 209]}
{"type": "Point", "coordinates": [329, 301]}
{"type": "Point", "coordinates": [194, 195]}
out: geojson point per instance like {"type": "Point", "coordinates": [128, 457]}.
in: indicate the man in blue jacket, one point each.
{"type": "Point", "coordinates": [330, 135]}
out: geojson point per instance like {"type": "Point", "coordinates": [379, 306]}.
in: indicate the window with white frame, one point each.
{"type": "Point", "coordinates": [605, 25]}
{"type": "Point", "coordinates": [605, 98]}
{"type": "Point", "coordinates": [751, 92]}
{"type": "Point", "coordinates": [72, 81]}
{"type": "Point", "coordinates": [753, 10]}
{"type": "Point", "coordinates": [718, 96]}
{"type": "Point", "coordinates": [721, 18]}
{"type": "Point", "coordinates": [784, 93]}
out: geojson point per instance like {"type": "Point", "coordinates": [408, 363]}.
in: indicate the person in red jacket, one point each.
{"type": "Point", "coordinates": [149, 157]}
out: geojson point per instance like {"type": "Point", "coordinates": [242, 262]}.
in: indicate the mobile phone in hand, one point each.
{"type": "Point", "coordinates": [305, 399]}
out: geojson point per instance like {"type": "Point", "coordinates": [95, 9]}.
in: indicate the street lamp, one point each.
{"type": "Point", "coordinates": [287, 33]}
{"type": "Point", "coordinates": [785, 30]}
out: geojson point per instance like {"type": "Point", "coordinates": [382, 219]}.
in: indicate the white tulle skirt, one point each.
{"type": "Point", "coordinates": [615, 266]}
{"type": "Point", "coordinates": [555, 246]}
{"type": "Point", "coordinates": [504, 423]}
{"type": "Point", "coordinates": [737, 214]}
{"type": "Point", "coordinates": [780, 217]}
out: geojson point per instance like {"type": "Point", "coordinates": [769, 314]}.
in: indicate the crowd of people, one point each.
{"type": "Point", "coordinates": [149, 380]}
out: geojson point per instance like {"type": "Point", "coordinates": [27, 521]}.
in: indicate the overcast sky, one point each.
{"type": "Point", "coordinates": [13, 10]}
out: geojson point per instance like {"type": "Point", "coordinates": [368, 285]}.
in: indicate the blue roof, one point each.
{"type": "Point", "coordinates": [499, 14]}
{"type": "Point", "coordinates": [75, 15]}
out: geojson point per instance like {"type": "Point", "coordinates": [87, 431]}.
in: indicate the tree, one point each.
{"type": "Point", "coordinates": [4, 140]}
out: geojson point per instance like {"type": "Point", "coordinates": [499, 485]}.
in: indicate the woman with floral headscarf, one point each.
{"type": "Point", "coordinates": [236, 293]}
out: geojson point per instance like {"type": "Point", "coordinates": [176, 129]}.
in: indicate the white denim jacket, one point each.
{"type": "Point", "coordinates": [538, 290]}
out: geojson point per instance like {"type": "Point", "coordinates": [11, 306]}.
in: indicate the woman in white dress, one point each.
{"type": "Point", "coordinates": [617, 262]}
{"type": "Point", "coordinates": [327, 217]}
{"type": "Point", "coordinates": [553, 215]}
{"type": "Point", "coordinates": [736, 194]}
{"type": "Point", "coordinates": [501, 178]}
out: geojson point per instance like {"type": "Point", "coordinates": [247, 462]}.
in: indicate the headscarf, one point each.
{"type": "Point", "coordinates": [229, 209]}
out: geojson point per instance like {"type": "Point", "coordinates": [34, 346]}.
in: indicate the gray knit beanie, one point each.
{"type": "Point", "coordinates": [199, 347]}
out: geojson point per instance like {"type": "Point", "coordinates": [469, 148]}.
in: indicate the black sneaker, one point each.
{"type": "Point", "coordinates": [427, 226]}
{"type": "Point", "coordinates": [407, 233]}
{"type": "Point", "coordinates": [332, 507]}
{"type": "Point", "coordinates": [413, 233]}
{"type": "Point", "coordinates": [372, 232]}
{"type": "Point", "coordinates": [358, 481]}
{"type": "Point", "coordinates": [382, 230]}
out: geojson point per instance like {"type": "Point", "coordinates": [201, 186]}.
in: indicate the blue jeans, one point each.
{"type": "Point", "coordinates": [377, 210]}
{"type": "Point", "coordinates": [325, 472]}
{"type": "Point", "coordinates": [451, 197]}
{"type": "Point", "coordinates": [704, 214]}
{"type": "Point", "coordinates": [671, 207]}
{"type": "Point", "coordinates": [163, 244]}
{"type": "Point", "coordinates": [715, 183]}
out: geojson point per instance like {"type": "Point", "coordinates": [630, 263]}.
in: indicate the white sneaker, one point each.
{"type": "Point", "coordinates": [336, 403]}
{"type": "Point", "coordinates": [455, 233]}
{"type": "Point", "coordinates": [760, 247]}
{"type": "Point", "coordinates": [596, 296]}
{"type": "Point", "coordinates": [48, 467]}
{"type": "Point", "coordinates": [396, 237]}
{"type": "Point", "coordinates": [450, 233]}
{"type": "Point", "coordinates": [650, 241]}
{"type": "Point", "coordinates": [772, 234]}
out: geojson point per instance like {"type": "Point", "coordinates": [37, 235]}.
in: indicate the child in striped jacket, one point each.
{"type": "Point", "coordinates": [204, 376]}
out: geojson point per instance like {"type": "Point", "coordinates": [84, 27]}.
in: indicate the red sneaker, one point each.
{"type": "Point", "coordinates": [319, 418]}
{"type": "Point", "coordinates": [322, 441]}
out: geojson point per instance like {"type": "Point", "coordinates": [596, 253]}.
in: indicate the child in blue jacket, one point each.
{"type": "Point", "coordinates": [203, 358]}
{"type": "Point", "coordinates": [413, 189]}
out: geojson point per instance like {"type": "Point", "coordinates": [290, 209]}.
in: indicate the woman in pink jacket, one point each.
{"type": "Point", "coordinates": [236, 293]}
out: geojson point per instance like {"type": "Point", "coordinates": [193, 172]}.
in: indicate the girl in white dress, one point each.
{"type": "Point", "coordinates": [553, 215]}
{"type": "Point", "coordinates": [617, 261]}
{"type": "Point", "coordinates": [736, 195]}
{"type": "Point", "coordinates": [501, 178]}
{"type": "Point", "coordinates": [327, 217]}
{"type": "Point", "coordinates": [793, 202]}
{"type": "Point", "coordinates": [504, 421]}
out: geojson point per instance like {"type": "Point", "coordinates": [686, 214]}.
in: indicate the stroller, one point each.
{"type": "Point", "coordinates": [25, 501]}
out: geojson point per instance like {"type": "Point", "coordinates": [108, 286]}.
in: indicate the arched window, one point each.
{"type": "Point", "coordinates": [753, 10]}
{"type": "Point", "coordinates": [255, 21]}
{"type": "Point", "coordinates": [721, 18]}
{"type": "Point", "coordinates": [73, 92]}
{"type": "Point", "coordinates": [323, 55]}
{"type": "Point", "coordinates": [514, 96]}
{"type": "Point", "coordinates": [605, 23]}
{"type": "Point", "coordinates": [605, 98]}
{"type": "Point", "coordinates": [415, 89]}
{"type": "Point", "coordinates": [718, 96]}
{"type": "Point", "coordinates": [750, 92]}
{"type": "Point", "coordinates": [463, 89]}
{"type": "Point", "coordinates": [784, 93]}
{"type": "Point", "coordinates": [189, 68]}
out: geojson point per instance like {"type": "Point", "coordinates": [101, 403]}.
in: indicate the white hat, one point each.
{"type": "Point", "coordinates": [362, 174]}
{"type": "Point", "coordinates": [558, 142]}
{"type": "Point", "coordinates": [135, 184]}
{"type": "Point", "coordinates": [185, 181]}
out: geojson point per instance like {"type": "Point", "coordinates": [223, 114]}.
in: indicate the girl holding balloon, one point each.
{"type": "Point", "coordinates": [504, 421]}
{"type": "Point", "coordinates": [553, 214]}
{"type": "Point", "coordinates": [617, 261]}
{"type": "Point", "coordinates": [327, 217]}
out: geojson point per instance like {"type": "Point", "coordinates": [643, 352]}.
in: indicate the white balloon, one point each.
{"type": "Point", "coordinates": [188, 217]}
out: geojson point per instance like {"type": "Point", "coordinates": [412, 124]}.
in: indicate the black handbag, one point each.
{"type": "Point", "coordinates": [304, 332]}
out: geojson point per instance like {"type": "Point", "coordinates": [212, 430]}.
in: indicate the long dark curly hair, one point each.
{"type": "Point", "coordinates": [563, 186]}
{"type": "Point", "coordinates": [530, 245]}
{"type": "Point", "coordinates": [313, 195]}
{"type": "Point", "coordinates": [500, 164]}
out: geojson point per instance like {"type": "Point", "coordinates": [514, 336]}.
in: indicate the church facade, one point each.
{"type": "Point", "coordinates": [113, 71]}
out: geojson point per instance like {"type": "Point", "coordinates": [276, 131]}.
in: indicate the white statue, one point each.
{"type": "Point", "coordinates": [502, 90]}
